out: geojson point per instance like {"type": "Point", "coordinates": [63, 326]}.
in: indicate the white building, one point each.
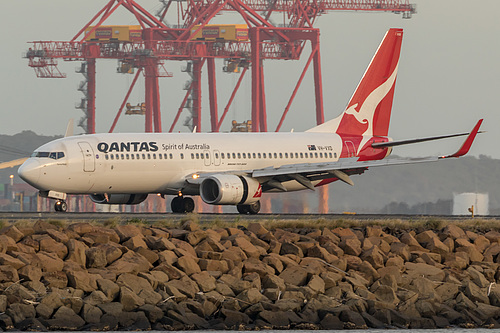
{"type": "Point", "coordinates": [463, 201]}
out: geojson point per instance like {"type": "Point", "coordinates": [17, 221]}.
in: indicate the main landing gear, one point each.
{"type": "Point", "coordinates": [251, 209]}
{"type": "Point", "coordinates": [181, 204]}
{"type": "Point", "coordinates": [61, 206]}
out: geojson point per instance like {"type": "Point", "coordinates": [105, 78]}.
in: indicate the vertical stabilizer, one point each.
{"type": "Point", "coordinates": [369, 110]}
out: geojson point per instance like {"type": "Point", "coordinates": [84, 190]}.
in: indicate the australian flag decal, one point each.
{"type": "Point", "coordinates": [311, 147]}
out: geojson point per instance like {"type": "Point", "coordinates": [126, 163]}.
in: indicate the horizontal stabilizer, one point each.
{"type": "Point", "coordinates": [406, 142]}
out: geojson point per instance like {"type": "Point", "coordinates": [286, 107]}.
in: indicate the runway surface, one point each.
{"type": "Point", "coordinates": [212, 217]}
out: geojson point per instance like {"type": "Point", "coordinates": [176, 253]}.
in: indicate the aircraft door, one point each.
{"type": "Point", "coordinates": [216, 157]}
{"type": "Point", "coordinates": [207, 157]}
{"type": "Point", "coordinates": [351, 151]}
{"type": "Point", "coordinates": [88, 157]}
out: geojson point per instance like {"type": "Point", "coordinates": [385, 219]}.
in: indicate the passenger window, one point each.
{"type": "Point", "coordinates": [239, 156]}
{"type": "Point", "coordinates": [202, 156]}
{"type": "Point", "coordinates": [182, 156]}
{"type": "Point", "coordinates": [132, 156]}
{"type": "Point", "coordinates": [216, 155]}
{"type": "Point", "coordinates": [207, 156]}
{"type": "Point", "coordinates": [258, 155]}
{"type": "Point", "coordinates": [264, 155]}
{"type": "Point", "coordinates": [330, 155]}
{"type": "Point", "coordinates": [160, 156]}
{"type": "Point", "coordinates": [286, 155]}
{"type": "Point", "coordinates": [253, 155]}
{"type": "Point", "coordinates": [106, 156]}
{"type": "Point", "coordinates": [321, 155]}
{"type": "Point", "coordinates": [192, 156]}
{"type": "Point", "coordinates": [234, 156]}
{"type": "Point", "coordinates": [197, 156]}
{"type": "Point", "coordinates": [165, 156]}
{"type": "Point", "coordinates": [244, 155]}
{"type": "Point", "coordinates": [316, 155]}
{"type": "Point", "coordinates": [112, 156]}
{"type": "Point", "coordinates": [275, 155]}
{"type": "Point", "coordinates": [143, 156]}
{"type": "Point", "coordinates": [296, 155]}
{"type": "Point", "coordinates": [335, 155]}
{"type": "Point", "coordinates": [222, 155]}
{"type": "Point", "coordinates": [171, 156]}
{"type": "Point", "coordinates": [154, 156]}
{"type": "Point", "coordinates": [127, 156]}
{"type": "Point", "coordinates": [301, 155]}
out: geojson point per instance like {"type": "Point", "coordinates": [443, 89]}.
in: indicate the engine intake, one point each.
{"type": "Point", "coordinates": [230, 190]}
{"type": "Point", "coordinates": [118, 199]}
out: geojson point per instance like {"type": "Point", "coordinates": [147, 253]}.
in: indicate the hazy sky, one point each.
{"type": "Point", "coordinates": [449, 74]}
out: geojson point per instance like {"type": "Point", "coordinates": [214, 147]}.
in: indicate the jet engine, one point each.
{"type": "Point", "coordinates": [118, 199]}
{"type": "Point", "coordinates": [230, 190]}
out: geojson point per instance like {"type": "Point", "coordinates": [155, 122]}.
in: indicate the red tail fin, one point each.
{"type": "Point", "coordinates": [369, 110]}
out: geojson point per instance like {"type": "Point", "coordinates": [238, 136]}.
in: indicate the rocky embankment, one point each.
{"type": "Point", "coordinates": [133, 277]}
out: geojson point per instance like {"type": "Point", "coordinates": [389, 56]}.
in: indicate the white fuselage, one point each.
{"type": "Point", "coordinates": [160, 162]}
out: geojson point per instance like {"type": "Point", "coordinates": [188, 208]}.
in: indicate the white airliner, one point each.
{"type": "Point", "coordinates": [231, 168]}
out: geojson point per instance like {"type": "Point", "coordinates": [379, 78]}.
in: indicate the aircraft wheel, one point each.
{"type": "Point", "coordinates": [188, 204]}
{"type": "Point", "coordinates": [61, 206]}
{"type": "Point", "coordinates": [177, 205]}
{"type": "Point", "coordinates": [242, 209]}
{"type": "Point", "coordinates": [254, 208]}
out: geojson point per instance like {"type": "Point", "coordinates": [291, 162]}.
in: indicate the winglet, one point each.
{"type": "Point", "coordinates": [468, 142]}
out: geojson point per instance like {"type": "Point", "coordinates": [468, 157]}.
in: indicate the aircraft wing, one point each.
{"type": "Point", "coordinates": [11, 164]}
{"type": "Point", "coordinates": [306, 173]}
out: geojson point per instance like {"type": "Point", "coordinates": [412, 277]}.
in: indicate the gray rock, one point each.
{"type": "Point", "coordinates": [129, 299]}
{"type": "Point", "coordinates": [44, 311]}
{"type": "Point", "coordinates": [352, 319]}
{"type": "Point", "coordinates": [96, 257]}
{"type": "Point", "coordinates": [113, 308]}
{"type": "Point", "coordinates": [91, 314]}
{"type": "Point", "coordinates": [232, 319]}
{"type": "Point", "coordinates": [96, 297]}
{"type": "Point", "coordinates": [153, 313]}
{"type": "Point", "coordinates": [331, 322]}
{"type": "Point", "coordinates": [65, 319]}
{"type": "Point", "coordinates": [6, 322]}
{"type": "Point", "coordinates": [19, 312]}
{"type": "Point", "coordinates": [277, 319]}
{"type": "Point", "coordinates": [57, 279]}
{"type": "Point", "coordinates": [31, 325]}
{"type": "Point", "coordinates": [109, 288]}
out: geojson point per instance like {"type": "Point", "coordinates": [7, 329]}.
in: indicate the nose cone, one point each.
{"type": "Point", "coordinates": [29, 171]}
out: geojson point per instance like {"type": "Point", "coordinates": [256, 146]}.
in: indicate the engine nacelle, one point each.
{"type": "Point", "coordinates": [118, 199]}
{"type": "Point", "coordinates": [230, 190]}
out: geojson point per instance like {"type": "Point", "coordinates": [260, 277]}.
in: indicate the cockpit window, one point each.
{"type": "Point", "coordinates": [53, 155]}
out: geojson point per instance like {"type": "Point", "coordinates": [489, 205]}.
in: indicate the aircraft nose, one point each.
{"type": "Point", "coordinates": [29, 171]}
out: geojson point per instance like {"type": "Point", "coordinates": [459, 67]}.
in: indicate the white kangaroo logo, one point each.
{"type": "Point", "coordinates": [367, 111]}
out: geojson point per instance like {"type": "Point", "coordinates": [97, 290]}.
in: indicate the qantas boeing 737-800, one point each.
{"type": "Point", "coordinates": [231, 168]}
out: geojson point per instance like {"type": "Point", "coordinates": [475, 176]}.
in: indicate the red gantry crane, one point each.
{"type": "Point", "coordinates": [147, 45]}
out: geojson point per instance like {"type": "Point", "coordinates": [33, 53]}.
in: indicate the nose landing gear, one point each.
{"type": "Point", "coordinates": [61, 206]}
{"type": "Point", "coordinates": [181, 204]}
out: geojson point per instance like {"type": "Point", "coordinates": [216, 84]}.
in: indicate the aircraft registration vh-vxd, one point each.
{"type": "Point", "coordinates": [232, 168]}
